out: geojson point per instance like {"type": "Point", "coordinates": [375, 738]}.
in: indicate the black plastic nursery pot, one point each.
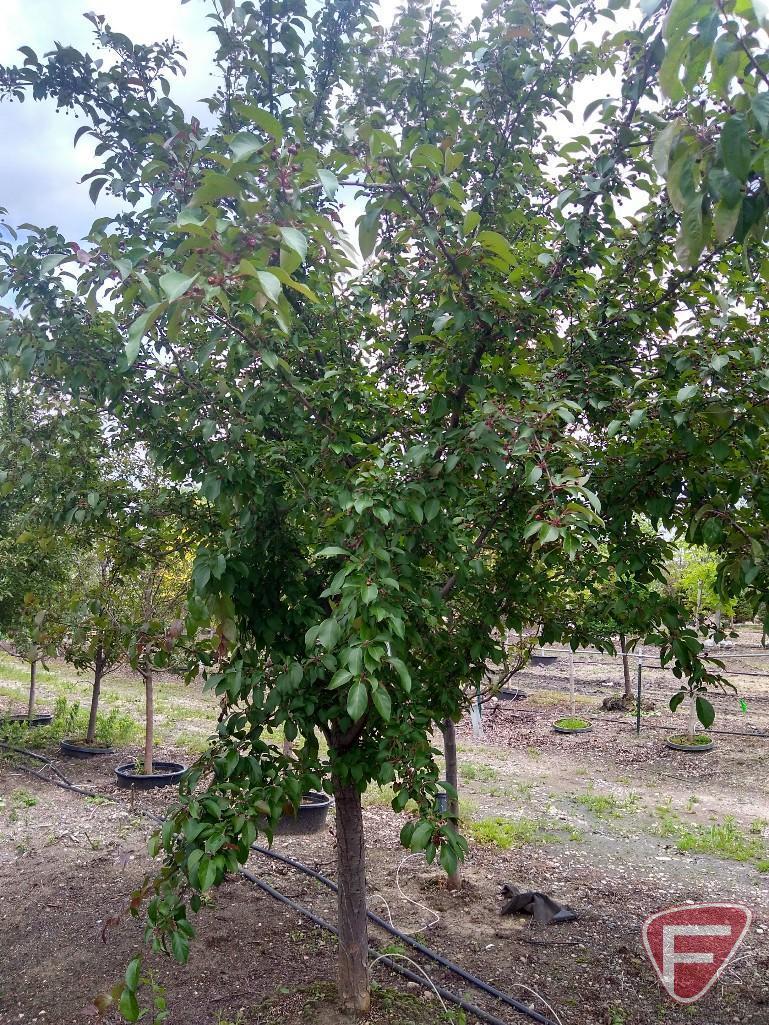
{"type": "Point", "coordinates": [683, 742]}
{"type": "Point", "coordinates": [512, 695]}
{"type": "Point", "coordinates": [310, 817]}
{"type": "Point", "coordinates": [79, 749]}
{"type": "Point", "coordinates": [560, 727]}
{"type": "Point", "coordinates": [543, 660]}
{"type": "Point", "coordinates": [38, 719]}
{"type": "Point", "coordinates": [164, 774]}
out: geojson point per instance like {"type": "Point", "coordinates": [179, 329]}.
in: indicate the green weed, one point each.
{"type": "Point", "coordinates": [606, 806]}
{"type": "Point", "coordinates": [482, 773]}
{"type": "Point", "coordinates": [507, 833]}
{"type": "Point", "coordinates": [724, 840]}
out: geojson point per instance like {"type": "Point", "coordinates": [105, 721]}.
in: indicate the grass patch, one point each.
{"type": "Point", "coordinates": [557, 699]}
{"type": "Point", "coordinates": [122, 699]}
{"type": "Point", "coordinates": [724, 840]}
{"type": "Point", "coordinates": [507, 833]}
{"type": "Point", "coordinates": [606, 806]}
{"type": "Point", "coordinates": [572, 723]}
{"type": "Point", "coordinates": [482, 773]}
{"type": "Point", "coordinates": [193, 743]}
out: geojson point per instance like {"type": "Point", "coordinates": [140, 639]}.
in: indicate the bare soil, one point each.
{"type": "Point", "coordinates": [608, 813]}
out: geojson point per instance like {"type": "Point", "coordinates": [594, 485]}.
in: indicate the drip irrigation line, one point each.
{"type": "Point", "coordinates": [446, 994]}
{"type": "Point", "coordinates": [427, 952]}
{"type": "Point", "coordinates": [62, 781]}
{"type": "Point", "coordinates": [432, 955]}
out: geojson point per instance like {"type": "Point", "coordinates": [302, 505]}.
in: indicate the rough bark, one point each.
{"type": "Point", "coordinates": [353, 979]}
{"type": "Point", "coordinates": [149, 719]}
{"type": "Point", "coordinates": [98, 672]}
{"type": "Point", "coordinates": [32, 688]}
{"type": "Point", "coordinates": [626, 668]}
{"type": "Point", "coordinates": [454, 880]}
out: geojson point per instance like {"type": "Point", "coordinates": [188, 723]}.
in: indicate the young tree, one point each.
{"type": "Point", "coordinates": [95, 631]}
{"type": "Point", "coordinates": [370, 429]}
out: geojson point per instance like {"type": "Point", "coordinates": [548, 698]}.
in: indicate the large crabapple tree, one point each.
{"type": "Point", "coordinates": [399, 440]}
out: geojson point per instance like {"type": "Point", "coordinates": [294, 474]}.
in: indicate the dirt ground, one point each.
{"type": "Point", "coordinates": [613, 825]}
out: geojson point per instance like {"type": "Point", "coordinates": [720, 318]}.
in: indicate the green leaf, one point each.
{"type": "Point", "coordinates": [329, 182]}
{"type": "Point", "coordinates": [328, 633]}
{"type": "Point", "coordinates": [180, 947]}
{"type": "Point", "coordinates": [471, 222]}
{"type": "Point", "coordinates": [269, 284]}
{"type": "Point", "coordinates": [215, 186]}
{"type": "Point", "coordinates": [208, 875]}
{"type": "Point", "coordinates": [357, 700]}
{"type": "Point", "coordinates": [51, 262]}
{"type": "Point", "coordinates": [428, 156]}
{"type": "Point", "coordinates": [138, 330]}
{"type": "Point", "coordinates": [687, 392]}
{"type": "Point", "coordinates": [760, 107]}
{"type": "Point", "coordinates": [368, 230]}
{"type": "Point", "coordinates": [448, 859]}
{"type": "Point", "coordinates": [174, 284]}
{"type": "Point", "coordinates": [382, 702]}
{"type": "Point", "coordinates": [431, 508]}
{"type": "Point", "coordinates": [339, 679]}
{"type": "Point", "coordinates": [421, 836]}
{"type": "Point", "coordinates": [676, 700]}
{"type": "Point", "coordinates": [295, 240]}
{"type": "Point", "coordinates": [705, 712]}
{"type": "Point", "coordinates": [663, 144]}
{"type": "Point", "coordinates": [725, 220]}
{"type": "Point", "coordinates": [719, 361]}
{"type": "Point", "coordinates": [129, 1005]}
{"type": "Point", "coordinates": [244, 145]}
{"type": "Point", "coordinates": [261, 118]}
{"type": "Point", "coordinates": [736, 150]}
{"type": "Point", "coordinates": [330, 550]}
{"type": "Point", "coordinates": [95, 188]}
{"type": "Point", "coordinates": [402, 671]}
{"type": "Point", "coordinates": [613, 428]}
{"type": "Point", "coordinates": [132, 973]}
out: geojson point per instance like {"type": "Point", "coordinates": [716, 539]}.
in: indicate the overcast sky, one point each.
{"type": "Point", "coordinates": [39, 168]}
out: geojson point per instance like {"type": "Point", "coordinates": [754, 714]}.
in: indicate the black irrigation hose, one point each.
{"type": "Point", "coordinates": [433, 955]}
{"type": "Point", "coordinates": [446, 995]}
{"type": "Point", "coordinates": [521, 1008]}
{"type": "Point", "coordinates": [62, 781]}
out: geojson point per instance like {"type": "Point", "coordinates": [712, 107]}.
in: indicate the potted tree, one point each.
{"type": "Point", "coordinates": [96, 641]}
{"type": "Point", "coordinates": [693, 691]}
{"type": "Point", "coordinates": [32, 640]}
{"type": "Point", "coordinates": [572, 723]}
{"type": "Point", "coordinates": [159, 592]}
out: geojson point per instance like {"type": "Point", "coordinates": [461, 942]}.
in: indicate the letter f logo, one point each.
{"type": "Point", "coordinates": [690, 946]}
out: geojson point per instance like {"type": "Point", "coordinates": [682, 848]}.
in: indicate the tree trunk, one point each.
{"type": "Point", "coordinates": [149, 719]}
{"type": "Point", "coordinates": [449, 730]}
{"type": "Point", "coordinates": [98, 672]}
{"type": "Point", "coordinates": [32, 688]}
{"type": "Point", "coordinates": [353, 982]}
{"type": "Point", "coordinates": [626, 669]}
{"type": "Point", "coordinates": [693, 716]}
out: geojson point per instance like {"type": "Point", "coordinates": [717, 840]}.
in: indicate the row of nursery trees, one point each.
{"type": "Point", "coordinates": [404, 449]}
{"type": "Point", "coordinates": [100, 599]}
